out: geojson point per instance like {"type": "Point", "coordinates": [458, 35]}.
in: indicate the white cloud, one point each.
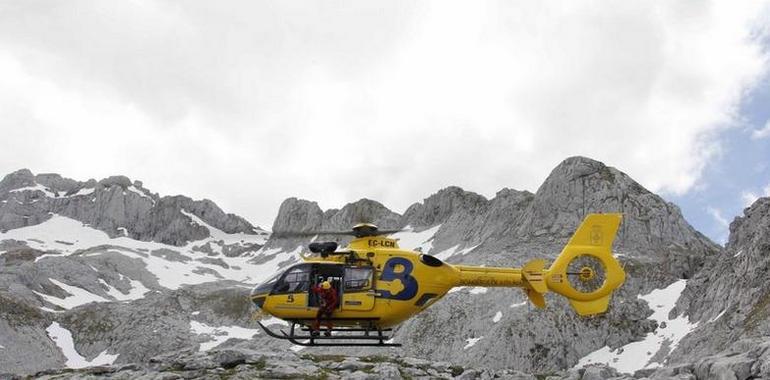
{"type": "Point", "coordinates": [762, 133]}
{"type": "Point", "coordinates": [717, 215]}
{"type": "Point", "coordinates": [722, 222]}
{"type": "Point", "coordinates": [254, 102]}
{"type": "Point", "coordinates": [749, 197]}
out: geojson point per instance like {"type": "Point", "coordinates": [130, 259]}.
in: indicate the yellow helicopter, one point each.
{"type": "Point", "coordinates": [380, 285]}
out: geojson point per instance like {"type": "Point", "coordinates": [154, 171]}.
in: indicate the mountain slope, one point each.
{"type": "Point", "coordinates": [76, 253]}
{"type": "Point", "coordinates": [732, 295]}
{"type": "Point", "coordinates": [93, 272]}
{"type": "Point", "coordinates": [114, 205]}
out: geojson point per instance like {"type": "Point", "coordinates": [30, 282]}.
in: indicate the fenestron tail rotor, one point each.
{"type": "Point", "coordinates": [586, 273]}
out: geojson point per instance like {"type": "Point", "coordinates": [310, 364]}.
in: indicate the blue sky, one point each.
{"type": "Point", "coordinates": [737, 175]}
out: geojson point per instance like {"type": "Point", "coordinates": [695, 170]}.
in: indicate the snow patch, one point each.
{"type": "Point", "coordinates": [63, 339]}
{"type": "Point", "coordinates": [78, 296]}
{"type": "Point", "coordinates": [637, 355]}
{"type": "Point", "coordinates": [136, 291]}
{"type": "Point", "coordinates": [738, 254]}
{"type": "Point", "coordinates": [218, 335]}
{"type": "Point", "coordinates": [478, 290]}
{"type": "Point", "coordinates": [471, 289]}
{"type": "Point", "coordinates": [470, 342]}
{"type": "Point", "coordinates": [274, 321]}
{"type": "Point", "coordinates": [37, 187]}
{"type": "Point", "coordinates": [83, 191]}
{"type": "Point", "coordinates": [418, 241]}
{"type": "Point", "coordinates": [454, 251]}
{"type": "Point", "coordinates": [518, 304]}
{"type": "Point", "coordinates": [297, 348]}
{"type": "Point", "coordinates": [170, 274]}
{"type": "Point", "coordinates": [497, 317]}
{"type": "Point", "coordinates": [718, 316]}
{"type": "Point", "coordinates": [43, 236]}
{"type": "Point", "coordinates": [219, 235]}
{"type": "Point", "coordinates": [447, 253]}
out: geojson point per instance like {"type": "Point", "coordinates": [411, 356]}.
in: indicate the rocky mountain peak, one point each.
{"type": "Point", "coordinates": [18, 179]}
{"type": "Point", "coordinates": [117, 180]}
{"type": "Point", "coordinates": [115, 205]}
{"type": "Point", "coordinates": [580, 185]}
{"type": "Point", "coordinates": [437, 208]}
{"type": "Point", "coordinates": [298, 215]}
{"type": "Point", "coordinates": [752, 227]}
{"type": "Point", "coordinates": [362, 211]}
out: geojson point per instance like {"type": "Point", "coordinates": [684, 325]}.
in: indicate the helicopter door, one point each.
{"type": "Point", "coordinates": [326, 272]}
{"type": "Point", "coordinates": [358, 293]}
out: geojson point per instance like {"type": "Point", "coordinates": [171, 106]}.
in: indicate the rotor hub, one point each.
{"type": "Point", "coordinates": [586, 274]}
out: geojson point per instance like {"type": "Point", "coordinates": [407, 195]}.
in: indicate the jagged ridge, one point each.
{"type": "Point", "coordinates": [114, 205]}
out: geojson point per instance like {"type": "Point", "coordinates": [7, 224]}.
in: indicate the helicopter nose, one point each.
{"type": "Point", "coordinates": [258, 301]}
{"type": "Point", "coordinates": [258, 298]}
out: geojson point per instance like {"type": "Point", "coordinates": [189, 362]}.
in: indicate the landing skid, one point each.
{"type": "Point", "coordinates": [337, 334]}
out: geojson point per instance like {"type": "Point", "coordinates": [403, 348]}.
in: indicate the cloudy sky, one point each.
{"type": "Point", "coordinates": [247, 103]}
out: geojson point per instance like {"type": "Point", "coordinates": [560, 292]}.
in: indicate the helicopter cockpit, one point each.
{"type": "Point", "coordinates": [297, 281]}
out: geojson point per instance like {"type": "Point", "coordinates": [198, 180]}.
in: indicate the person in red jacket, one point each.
{"type": "Point", "coordinates": [327, 302]}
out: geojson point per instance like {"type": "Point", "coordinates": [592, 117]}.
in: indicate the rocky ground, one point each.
{"type": "Point", "coordinates": [244, 361]}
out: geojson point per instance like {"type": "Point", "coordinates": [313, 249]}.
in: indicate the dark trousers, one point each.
{"type": "Point", "coordinates": [323, 312]}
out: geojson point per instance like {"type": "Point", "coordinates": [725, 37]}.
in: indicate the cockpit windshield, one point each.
{"type": "Point", "coordinates": [267, 285]}
{"type": "Point", "coordinates": [296, 280]}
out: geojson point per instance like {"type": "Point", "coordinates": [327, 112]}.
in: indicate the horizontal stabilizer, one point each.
{"type": "Point", "coordinates": [534, 273]}
{"type": "Point", "coordinates": [536, 298]}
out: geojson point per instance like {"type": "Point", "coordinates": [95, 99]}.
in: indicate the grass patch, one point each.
{"type": "Point", "coordinates": [324, 358]}
{"type": "Point", "coordinates": [404, 375]}
{"type": "Point", "coordinates": [259, 364]}
{"type": "Point", "coordinates": [758, 313]}
{"type": "Point", "coordinates": [456, 370]}
{"type": "Point", "coordinates": [376, 359]}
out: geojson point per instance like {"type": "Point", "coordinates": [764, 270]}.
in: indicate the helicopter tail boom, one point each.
{"type": "Point", "coordinates": [585, 272]}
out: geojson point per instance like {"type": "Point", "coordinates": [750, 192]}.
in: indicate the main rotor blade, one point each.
{"type": "Point", "coordinates": [293, 234]}
{"type": "Point", "coordinates": [290, 234]}
{"type": "Point", "coordinates": [388, 232]}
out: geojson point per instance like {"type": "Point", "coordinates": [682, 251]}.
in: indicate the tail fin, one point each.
{"type": "Point", "coordinates": [586, 272]}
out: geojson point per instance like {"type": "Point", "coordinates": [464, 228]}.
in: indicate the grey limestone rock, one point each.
{"type": "Point", "coordinates": [114, 205]}
{"type": "Point", "coordinates": [297, 215]}
{"type": "Point", "coordinates": [730, 296]}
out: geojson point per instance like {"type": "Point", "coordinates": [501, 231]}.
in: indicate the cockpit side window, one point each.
{"type": "Point", "coordinates": [295, 280]}
{"type": "Point", "coordinates": [358, 279]}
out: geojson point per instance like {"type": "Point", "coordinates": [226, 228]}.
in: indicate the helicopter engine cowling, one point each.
{"type": "Point", "coordinates": [324, 248]}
